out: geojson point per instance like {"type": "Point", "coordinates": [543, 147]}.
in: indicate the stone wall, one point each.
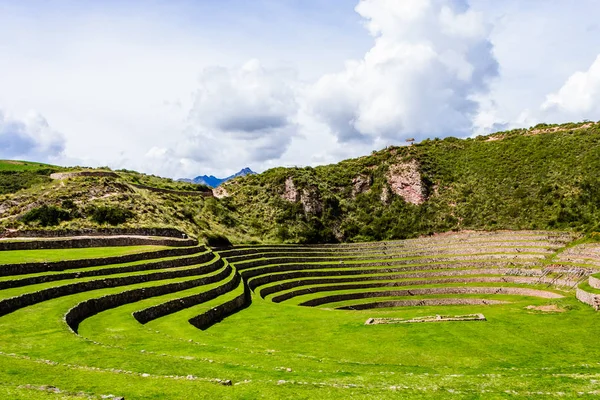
{"type": "Point", "coordinates": [394, 266]}
{"type": "Point", "coordinates": [222, 311]}
{"type": "Point", "coordinates": [68, 175]}
{"type": "Point", "coordinates": [594, 282]}
{"type": "Point", "coordinates": [424, 302]}
{"type": "Point", "coordinates": [392, 253]}
{"type": "Point", "coordinates": [330, 277]}
{"type": "Point", "coordinates": [588, 298]}
{"type": "Point", "coordinates": [36, 267]}
{"type": "Point", "coordinates": [520, 259]}
{"type": "Point", "coordinates": [86, 242]}
{"type": "Point", "coordinates": [175, 305]}
{"type": "Point", "coordinates": [164, 264]}
{"type": "Point", "coordinates": [47, 233]}
{"type": "Point", "coordinates": [432, 291]}
{"type": "Point", "coordinates": [350, 286]}
{"type": "Point", "coordinates": [207, 193]}
{"type": "Point", "coordinates": [91, 307]}
{"type": "Point", "coordinates": [14, 303]}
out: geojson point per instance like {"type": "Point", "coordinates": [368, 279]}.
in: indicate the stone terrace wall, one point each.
{"type": "Point", "coordinates": [86, 242]}
{"type": "Point", "coordinates": [164, 264]}
{"type": "Point", "coordinates": [27, 299]}
{"type": "Point", "coordinates": [588, 298]}
{"type": "Point", "coordinates": [170, 307]}
{"type": "Point", "coordinates": [36, 267]}
{"type": "Point", "coordinates": [208, 193]}
{"type": "Point", "coordinates": [594, 282]}
{"type": "Point", "coordinates": [44, 233]}
{"type": "Point", "coordinates": [396, 266]}
{"type": "Point", "coordinates": [424, 302]}
{"type": "Point", "coordinates": [434, 291]}
{"type": "Point", "coordinates": [92, 307]}
{"type": "Point", "coordinates": [222, 311]}
{"type": "Point", "coordinates": [350, 286]}
{"type": "Point", "coordinates": [68, 175]}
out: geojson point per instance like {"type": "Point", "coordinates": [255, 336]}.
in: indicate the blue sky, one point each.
{"type": "Point", "coordinates": [181, 88]}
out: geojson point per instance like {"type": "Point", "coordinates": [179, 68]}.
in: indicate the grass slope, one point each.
{"type": "Point", "coordinates": [274, 351]}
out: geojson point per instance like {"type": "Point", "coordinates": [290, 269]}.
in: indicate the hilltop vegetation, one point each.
{"type": "Point", "coordinates": [546, 177]}
{"type": "Point", "coordinates": [543, 178]}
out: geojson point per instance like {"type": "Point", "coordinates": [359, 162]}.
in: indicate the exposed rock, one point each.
{"type": "Point", "coordinates": [311, 202]}
{"type": "Point", "coordinates": [386, 195]}
{"type": "Point", "coordinates": [361, 184]}
{"type": "Point", "coordinates": [290, 193]}
{"type": "Point", "coordinates": [405, 181]}
{"type": "Point", "coordinates": [309, 197]}
{"type": "Point", "coordinates": [220, 192]}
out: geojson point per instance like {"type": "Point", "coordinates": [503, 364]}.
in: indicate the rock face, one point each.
{"type": "Point", "coordinates": [361, 184]}
{"type": "Point", "coordinates": [405, 181]}
{"type": "Point", "coordinates": [220, 192]}
{"type": "Point", "coordinates": [290, 193]}
{"type": "Point", "coordinates": [309, 197]}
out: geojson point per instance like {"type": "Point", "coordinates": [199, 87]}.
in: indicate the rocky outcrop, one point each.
{"type": "Point", "coordinates": [405, 181]}
{"type": "Point", "coordinates": [386, 195]}
{"type": "Point", "coordinates": [68, 175]}
{"type": "Point", "coordinates": [220, 192]}
{"type": "Point", "coordinates": [309, 197]}
{"type": "Point", "coordinates": [290, 192]}
{"type": "Point", "coordinates": [361, 184]}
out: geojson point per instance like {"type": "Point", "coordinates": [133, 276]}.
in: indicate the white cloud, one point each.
{"type": "Point", "coordinates": [30, 138]}
{"type": "Point", "coordinates": [429, 62]}
{"type": "Point", "coordinates": [241, 115]}
{"type": "Point", "coordinates": [578, 98]}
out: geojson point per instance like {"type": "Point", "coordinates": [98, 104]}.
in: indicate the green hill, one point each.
{"type": "Point", "coordinates": [545, 177]}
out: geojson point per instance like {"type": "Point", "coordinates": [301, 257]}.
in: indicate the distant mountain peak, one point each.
{"type": "Point", "coordinates": [212, 181]}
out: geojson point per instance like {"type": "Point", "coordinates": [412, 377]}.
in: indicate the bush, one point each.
{"type": "Point", "coordinates": [217, 240]}
{"type": "Point", "coordinates": [46, 216]}
{"type": "Point", "coordinates": [111, 215]}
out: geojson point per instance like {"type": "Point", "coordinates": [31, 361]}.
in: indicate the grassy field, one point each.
{"type": "Point", "coordinates": [25, 256]}
{"type": "Point", "coordinates": [20, 166]}
{"type": "Point", "coordinates": [270, 351]}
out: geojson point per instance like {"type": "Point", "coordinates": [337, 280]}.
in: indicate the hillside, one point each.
{"type": "Point", "coordinates": [546, 177]}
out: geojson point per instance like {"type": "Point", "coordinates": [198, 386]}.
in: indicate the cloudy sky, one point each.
{"type": "Point", "coordinates": [187, 87]}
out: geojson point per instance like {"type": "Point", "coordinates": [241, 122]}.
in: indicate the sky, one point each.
{"type": "Point", "coordinates": [181, 88]}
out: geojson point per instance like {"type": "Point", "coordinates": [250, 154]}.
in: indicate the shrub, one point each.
{"type": "Point", "coordinates": [46, 216]}
{"type": "Point", "coordinates": [111, 215]}
{"type": "Point", "coordinates": [217, 240]}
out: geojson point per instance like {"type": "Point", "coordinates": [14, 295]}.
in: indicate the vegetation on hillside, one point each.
{"type": "Point", "coordinates": [545, 177]}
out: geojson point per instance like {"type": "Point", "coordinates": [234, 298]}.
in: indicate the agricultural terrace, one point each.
{"type": "Point", "coordinates": [146, 317]}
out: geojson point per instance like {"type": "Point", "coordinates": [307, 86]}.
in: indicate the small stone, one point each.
{"type": "Point", "coordinates": [288, 370]}
{"type": "Point", "coordinates": [280, 382]}
{"type": "Point", "coordinates": [145, 375]}
{"type": "Point", "coordinates": [226, 382]}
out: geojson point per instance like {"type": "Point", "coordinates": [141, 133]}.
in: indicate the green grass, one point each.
{"type": "Point", "coordinates": [27, 256]}
{"type": "Point", "coordinates": [283, 351]}
{"type": "Point", "coordinates": [20, 166]}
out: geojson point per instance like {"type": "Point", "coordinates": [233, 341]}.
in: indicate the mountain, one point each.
{"type": "Point", "coordinates": [213, 182]}
{"type": "Point", "coordinates": [544, 177]}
